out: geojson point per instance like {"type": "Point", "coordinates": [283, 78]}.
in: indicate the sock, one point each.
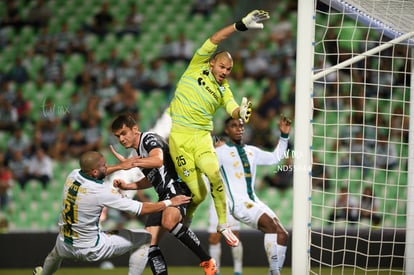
{"type": "Point", "coordinates": [138, 259]}
{"type": "Point", "coordinates": [237, 253]}
{"type": "Point", "coordinates": [156, 261]}
{"type": "Point", "coordinates": [281, 254]}
{"type": "Point", "coordinates": [190, 239]}
{"type": "Point", "coordinates": [215, 253]}
{"type": "Point", "coordinates": [270, 244]}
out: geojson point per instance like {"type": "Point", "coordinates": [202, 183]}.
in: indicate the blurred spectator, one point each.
{"type": "Point", "coordinates": [106, 92]}
{"type": "Point", "coordinates": [370, 206]}
{"type": "Point", "coordinates": [157, 77]}
{"type": "Point", "coordinates": [124, 72]}
{"type": "Point", "coordinates": [113, 60]}
{"type": "Point", "coordinates": [19, 166]}
{"type": "Point", "coordinates": [48, 128]}
{"type": "Point", "coordinates": [52, 70]}
{"type": "Point", "coordinates": [12, 17]}
{"type": "Point", "coordinates": [237, 72]}
{"type": "Point", "coordinates": [86, 77]}
{"type": "Point", "coordinates": [90, 123]}
{"type": "Point", "coordinates": [78, 43]}
{"type": "Point", "coordinates": [77, 143]}
{"type": "Point", "coordinates": [282, 30]}
{"type": "Point", "coordinates": [62, 40]}
{"type": "Point", "coordinates": [346, 207]}
{"type": "Point", "coordinates": [320, 175]}
{"type": "Point", "coordinates": [139, 80]}
{"type": "Point", "coordinates": [91, 129]}
{"type": "Point", "coordinates": [19, 140]}
{"type": "Point", "coordinates": [203, 7]}
{"type": "Point", "coordinates": [134, 58]}
{"type": "Point", "coordinates": [23, 107]}
{"type": "Point", "coordinates": [255, 66]}
{"type": "Point", "coordinates": [92, 66]}
{"type": "Point", "coordinates": [133, 21]}
{"type": "Point", "coordinates": [125, 101]}
{"type": "Point", "coordinates": [39, 14]}
{"type": "Point", "coordinates": [182, 48]}
{"type": "Point", "coordinates": [103, 21]}
{"type": "Point", "coordinates": [5, 183]}
{"type": "Point", "coordinates": [18, 72]}
{"type": "Point", "coordinates": [385, 152]}
{"type": "Point", "coordinates": [40, 167]}
{"type": "Point", "coordinates": [44, 41]}
{"type": "Point", "coordinates": [91, 110]}
{"type": "Point", "coordinates": [167, 49]}
{"type": "Point", "coordinates": [8, 114]}
{"type": "Point", "coordinates": [358, 154]}
{"type": "Point", "coordinates": [76, 105]}
{"type": "Point", "coordinates": [270, 104]}
{"type": "Point", "coordinates": [8, 91]}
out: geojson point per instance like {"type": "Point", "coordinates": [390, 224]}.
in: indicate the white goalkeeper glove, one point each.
{"type": "Point", "coordinates": [245, 109]}
{"type": "Point", "coordinates": [252, 20]}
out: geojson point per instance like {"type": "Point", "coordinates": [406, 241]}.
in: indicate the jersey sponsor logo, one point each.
{"type": "Point", "coordinates": [202, 83]}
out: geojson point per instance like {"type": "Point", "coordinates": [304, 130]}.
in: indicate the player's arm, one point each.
{"type": "Point", "coordinates": [122, 184]}
{"type": "Point", "coordinates": [155, 159]}
{"type": "Point", "coordinates": [284, 126]}
{"type": "Point", "coordinates": [250, 21]}
{"type": "Point", "coordinates": [123, 164]}
{"type": "Point", "coordinates": [151, 207]}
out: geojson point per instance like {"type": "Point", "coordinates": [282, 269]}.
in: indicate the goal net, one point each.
{"type": "Point", "coordinates": [353, 102]}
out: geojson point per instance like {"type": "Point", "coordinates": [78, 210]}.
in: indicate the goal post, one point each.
{"type": "Point", "coordinates": [354, 119]}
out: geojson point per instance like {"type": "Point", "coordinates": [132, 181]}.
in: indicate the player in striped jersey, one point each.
{"type": "Point", "coordinates": [156, 164]}
{"type": "Point", "coordinates": [80, 237]}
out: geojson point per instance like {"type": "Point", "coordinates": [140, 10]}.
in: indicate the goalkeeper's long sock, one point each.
{"type": "Point", "coordinates": [156, 261]}
{"type": "Point", "coordinates": [190, 239]}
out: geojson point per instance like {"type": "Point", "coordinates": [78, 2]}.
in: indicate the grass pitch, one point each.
{"type": "Point", "coordinates": [188, 271]}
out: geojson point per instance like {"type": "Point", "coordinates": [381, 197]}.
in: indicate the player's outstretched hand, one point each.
{"type": "Point", "coordinates": [179, 200]}
{"type": "Point", "coordinates": [116, 154]}
{"type": "Point", "coordinates": [125, 163]}
{"type": "Point", "coordinates": [284, 124]}
{"type": "Point", "coordinates": [253, 20]}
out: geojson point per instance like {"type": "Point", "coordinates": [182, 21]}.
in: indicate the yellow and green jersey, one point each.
{"type": "Point", "coordinates": [198, 95]}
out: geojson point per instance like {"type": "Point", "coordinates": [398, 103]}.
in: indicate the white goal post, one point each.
{"type": "Point", "coordinates": [354, 123]}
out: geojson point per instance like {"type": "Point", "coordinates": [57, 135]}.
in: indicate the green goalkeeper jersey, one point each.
{"type": "Point", "coordinates": [198, 95]}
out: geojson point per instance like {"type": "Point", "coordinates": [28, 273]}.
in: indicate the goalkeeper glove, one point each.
{"type": "Point", "coordinates": [245, 109]}
{"type": "Point", "coordinates": [252, 20]}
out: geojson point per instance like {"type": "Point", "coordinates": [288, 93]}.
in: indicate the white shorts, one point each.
{"type": "Point", "coordinates": [213, 220]}
{"type": "Point", "coordinates": [248, 212]}
{"type": "Point", "coordinates": [109, 245]}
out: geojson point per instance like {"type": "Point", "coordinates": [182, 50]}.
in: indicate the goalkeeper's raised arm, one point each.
{"type": "Point", "coordinates": [200, 92]}
{"type": "Point", "coordinates": [253, 20]}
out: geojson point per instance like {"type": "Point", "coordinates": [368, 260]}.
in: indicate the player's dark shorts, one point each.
{"type": "Point", "coordinates": [181, 188]}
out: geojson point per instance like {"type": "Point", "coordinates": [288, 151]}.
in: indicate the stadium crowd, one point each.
{"type": "Point", "coordinates": [52, 111]}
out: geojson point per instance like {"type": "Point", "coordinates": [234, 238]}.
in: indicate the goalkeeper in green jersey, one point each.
{"type": "Point", "coordinates": [201, 91]}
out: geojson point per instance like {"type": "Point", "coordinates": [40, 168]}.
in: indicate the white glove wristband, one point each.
{"type": "Point", "coordinates": [167, 203]}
